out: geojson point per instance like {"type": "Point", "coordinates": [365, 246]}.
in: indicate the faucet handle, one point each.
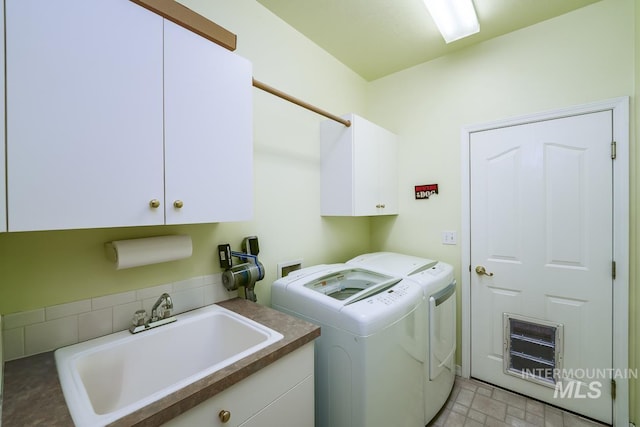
{"type": "Point", "coordinates": [166, 311]}
{"type": "Point", "coordinates": [167, 307]}
{"type": "Point", "coordinates": [139, 317]}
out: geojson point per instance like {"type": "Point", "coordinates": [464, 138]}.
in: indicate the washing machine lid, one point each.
{"type": "Point", "coordinates": [352, 284]}
{"type": "Point", "coordinates": [372, 300]}
{"type": "Point", "coordinates": [307, 271]}
{"type": "Point", "coordinates": [393, 263]}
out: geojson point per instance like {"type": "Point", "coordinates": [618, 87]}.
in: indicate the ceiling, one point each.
{"type": "Point", "coordinates": [379, 37]}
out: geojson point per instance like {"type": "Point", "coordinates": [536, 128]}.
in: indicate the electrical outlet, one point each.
{"type": "Point", "coordinates": [284, 268]}
{"type": "Point", "coordinates": [449, 238]}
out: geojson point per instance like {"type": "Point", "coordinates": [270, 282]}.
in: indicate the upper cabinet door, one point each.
{"type": "Point", "coordinates": [387, 172]}
{"type": "Point", "coordinates": [359, 169]}
{"type": "Point", "coordinates": [375, 169]}
{"type": "Point", "coordinates": [208, 131]}
{"type": "Point", "coordinates": [84, 114]}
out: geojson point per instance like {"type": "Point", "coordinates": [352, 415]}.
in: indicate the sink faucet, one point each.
{"type": "Point", "coordinates": [165, 304]}
{"type": "Point", "coordinates": [160, 315]}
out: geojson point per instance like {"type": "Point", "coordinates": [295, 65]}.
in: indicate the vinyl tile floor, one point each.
{"type": "Point", "coordinates": [473, 403]}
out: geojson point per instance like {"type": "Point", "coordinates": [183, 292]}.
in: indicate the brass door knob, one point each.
{"type": "Point", "coordinates": [483, 271]}
{"type": "Point", "coordinates": [178, 204]}
{"type": "Point", "coordinates": [154, 203]}
{"type": "Point", "coordinates": [224, 416]}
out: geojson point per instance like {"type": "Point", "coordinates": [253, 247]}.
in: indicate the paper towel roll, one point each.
{"type": "Point", "coordinates": [148, 250]}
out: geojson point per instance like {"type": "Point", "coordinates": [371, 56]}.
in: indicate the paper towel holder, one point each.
{"type": "Point", "coordinates": [148, 250]}
{"type": "Point", "coordinates": [245, 274]}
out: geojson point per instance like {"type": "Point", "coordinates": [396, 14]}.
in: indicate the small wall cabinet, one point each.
{"type": "Point", "coordinates": [359, 169]}
{"type": "Point", "coordinates": [105, 128]}
{"type": "Point", "coordinates": [281, 394]}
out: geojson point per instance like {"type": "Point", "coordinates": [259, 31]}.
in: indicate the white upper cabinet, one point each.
{"type": "Point", "coordinates": [208, 130]}
{"type": "Point", "coordinates": [84, 114]}
{"type": "Point", "coordinates": [359, 169]}
{"type": "Point", "coordinates": [3, 187]}
{"type": "Point", "coordinates": [114, 120]}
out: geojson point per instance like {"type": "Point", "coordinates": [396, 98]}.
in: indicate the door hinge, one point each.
{"type": "Point", "coordinates": [613, 150]}
{"type": "Point", "coordinates": [613, 389]}
{"type": "Point", "coordinates": [613, 270]}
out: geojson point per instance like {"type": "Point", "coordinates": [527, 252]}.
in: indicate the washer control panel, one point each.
{"type": "Point", "coordinates": [382, 309]}
{"type": "Point", "coordinates": [391, 296]}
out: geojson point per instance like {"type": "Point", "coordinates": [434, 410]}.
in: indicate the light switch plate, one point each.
{"type": "Point", "coordinates": [449, 238]}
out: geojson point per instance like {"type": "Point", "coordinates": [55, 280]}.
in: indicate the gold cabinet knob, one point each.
{"type": "Point", "coordinates": [154, 203]}
{"type": "Point", "coordinates": [482, 271]}
{"type": "Point", "coordinates": [178, 204]}
{"type": "Point", "coordinates": [224, 416]}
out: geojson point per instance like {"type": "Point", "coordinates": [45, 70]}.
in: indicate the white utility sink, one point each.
{"type": "Point", "coordinates": [109, 377]}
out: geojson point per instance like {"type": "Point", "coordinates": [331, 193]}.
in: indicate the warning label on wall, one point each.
{"type": "Point", "coordinates": [426, 191]}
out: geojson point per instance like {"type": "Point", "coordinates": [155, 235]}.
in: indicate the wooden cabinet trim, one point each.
{"type": "Point", "coordinates": [192, 21]}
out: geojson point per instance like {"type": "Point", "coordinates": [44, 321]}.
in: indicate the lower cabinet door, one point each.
{"type": "Point", "coordinates": [294, 408]}
{"type": "Point", "coordinates": [272, 396]}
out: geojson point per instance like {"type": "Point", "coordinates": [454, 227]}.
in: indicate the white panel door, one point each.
{"type": "Point", "coordinates": [541, 224]}
{"type": "Point", "coordinates": [84, 114]}
{"type": "Point", "coordinates": [208, 130]}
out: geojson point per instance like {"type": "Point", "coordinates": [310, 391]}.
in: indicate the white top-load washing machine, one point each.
{"type": "Point", "coordinates": [439, 286]}
{"type": "Point", "coordinates": [370, 354]}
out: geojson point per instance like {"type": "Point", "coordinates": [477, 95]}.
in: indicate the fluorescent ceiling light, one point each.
{"type": "Point", "coordinates": [455, 18]}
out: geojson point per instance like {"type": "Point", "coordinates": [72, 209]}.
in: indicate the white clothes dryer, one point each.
{"type": "Point", "coordinates": [370, 354]}
{"type": "Point", "coordinates": [439, 287]}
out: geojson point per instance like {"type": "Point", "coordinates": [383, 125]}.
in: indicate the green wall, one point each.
{"type": "Point", "coordinates": [588, 55]}
{"type": "Point", "coordinates": [46, 268]}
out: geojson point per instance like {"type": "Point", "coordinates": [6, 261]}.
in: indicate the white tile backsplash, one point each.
{"type": "Point", "coordinates": [194, 282]}
{"type": "Point", "coordinates": [153, 292]}
{"type": "Point", "coordinates": [23, 318]}
{"type": "Point", "coordinates": [95, 324]}
{"type": "Point", "coordinates": [209, 294]}
{"type": "Point", "coordinates": [50, 335]}
{"type": "Point", "coordinates": [66, 310]}
{"type": "Point", "coordinates": [12, 343]}
{"type": "Point", "coordinates": [45, 329]}
{"type": "Point", "coordinates": [113, 300]}
{"type": "Point", "coordinates": [122, 315]}
{"type": "Point", "coordinates": [188, 299]}
{"type": "Point", "coordinates": [216, 291]}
